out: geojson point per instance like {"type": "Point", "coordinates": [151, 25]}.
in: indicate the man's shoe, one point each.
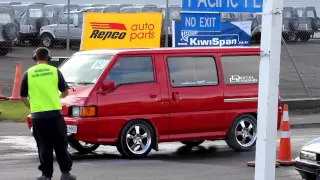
{"type": "Point", "coordinates": [68, 176]}
{"type": "Point", "coordinates": [43, 177]}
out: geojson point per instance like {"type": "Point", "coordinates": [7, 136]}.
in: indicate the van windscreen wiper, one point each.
{"type": "Point", "coordinates": [85, 82]}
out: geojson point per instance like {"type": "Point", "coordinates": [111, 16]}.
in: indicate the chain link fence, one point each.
{"type": "Point", "coordinates": [27, 26]}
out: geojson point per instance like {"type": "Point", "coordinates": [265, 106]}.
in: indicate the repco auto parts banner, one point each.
{"type": "Point", "coordinates": [116, 30]}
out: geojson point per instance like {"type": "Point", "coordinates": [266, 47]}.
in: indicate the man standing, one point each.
{"type": "Point", "coordinates": [42, 83]}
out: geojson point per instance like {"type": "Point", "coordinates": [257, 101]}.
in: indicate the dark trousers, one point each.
{"type": "Point", "coordinates": [51, 134]}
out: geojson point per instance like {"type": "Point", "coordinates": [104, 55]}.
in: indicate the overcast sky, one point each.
{"type": "Point", "coordinates": [100, 1]}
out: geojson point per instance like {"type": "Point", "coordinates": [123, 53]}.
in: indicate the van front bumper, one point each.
{"type": "Point", "coordinates": [72, 125]}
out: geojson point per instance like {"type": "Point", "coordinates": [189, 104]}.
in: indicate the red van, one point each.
{"type": "Point", "coordinates": [136, 98]}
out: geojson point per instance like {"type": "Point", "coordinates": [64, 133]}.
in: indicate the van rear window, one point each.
{"type": "Point", "coordinates": [192, 71]}
{"type": "Point", "coordinates": [241, 69]}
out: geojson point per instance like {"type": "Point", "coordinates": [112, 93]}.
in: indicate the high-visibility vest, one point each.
{"type": "Point", "coordinates": [43, 88]}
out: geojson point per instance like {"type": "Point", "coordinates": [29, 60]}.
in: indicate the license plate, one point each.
{"type": "Point", "coordinates": [72, 129]}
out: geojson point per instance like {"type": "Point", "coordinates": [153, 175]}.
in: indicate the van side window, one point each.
{"type": "Point", "coordinates": [192, 71]}
{"type": "Point", "coordinates": [130, 70]}
{"type": "Point", "coordinates": [240, 69]}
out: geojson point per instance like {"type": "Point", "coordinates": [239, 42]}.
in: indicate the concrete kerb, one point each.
{"type": "Point", "coordinates": [303, 106]}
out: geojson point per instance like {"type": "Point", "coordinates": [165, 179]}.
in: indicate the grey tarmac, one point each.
{"type": "Point", "coordinates": [211, 160]}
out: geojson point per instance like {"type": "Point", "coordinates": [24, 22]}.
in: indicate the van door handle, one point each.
{"type": "Point", "coordinates": [153, 96]}
{"type": "Point", "coordinates": [176, 96]}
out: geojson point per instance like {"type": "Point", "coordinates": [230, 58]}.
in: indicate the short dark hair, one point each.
{"type": "Point", "coordinates": [42, 53]}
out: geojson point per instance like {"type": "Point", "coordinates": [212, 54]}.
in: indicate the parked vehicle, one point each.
{"type": "Point", "coordinates": [104, 9]}
{"type": "Point", "coordinates": [290, 24]}
{"type": "Point", "coordinates": [10, 3]}
{"type": "Point", "coordinates": [136, 98]}
{"type": "Point", "coordinates": [56, 34]}
{"type": "Point", "coordinates": [31, 18]}
{"type": "Point", "coordinates": [55, 12]}
{"type": "Point", "coordinates": [307, 162]}
{"type": "Point", "coordinates": [309, 22]}
{"type": "Point", "coordinates": [140, 8]}
{"type": "Point", "coordinates": [90, 5]}
{"type": "Point", "coordinates": [10, 31]}
{"type": "Point", "coordinates": [245, 17]}
{"type": "Point", "coordinates": [12, 12]}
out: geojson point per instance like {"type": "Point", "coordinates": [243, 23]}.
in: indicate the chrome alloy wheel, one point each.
{"type": "Point", "coordinates": [46, 41]}
{"type": "Point", "coordinates": [246, 132]}
{"type": "Point", "coordinates": [138, 139]}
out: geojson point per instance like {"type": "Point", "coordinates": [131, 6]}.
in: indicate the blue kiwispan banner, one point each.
{"type": "Point", "coordinates": [231, 34]}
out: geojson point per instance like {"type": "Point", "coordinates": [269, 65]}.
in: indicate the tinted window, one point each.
{"type": "Point", "coordinates": [192, 71]}
{"type": "Point", "coordinates": [310, 14]}
{"type": "Point", "coordinates": [240, 69]}
{"type": "Point", "coordinates": [132, 70]}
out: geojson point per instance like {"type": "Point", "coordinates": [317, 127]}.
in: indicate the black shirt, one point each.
{"type": "Point", "coordinates": [62, 85]}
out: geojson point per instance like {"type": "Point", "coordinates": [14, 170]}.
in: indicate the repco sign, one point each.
{"type": "Point", "coordinates": [105, 31]}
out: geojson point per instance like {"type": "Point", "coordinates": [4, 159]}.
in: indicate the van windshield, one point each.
{"type": "Point", "coordinates": [85, 68]}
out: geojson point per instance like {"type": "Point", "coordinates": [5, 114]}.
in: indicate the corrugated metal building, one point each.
{"type": "Point", "coordinates": [303, 3]}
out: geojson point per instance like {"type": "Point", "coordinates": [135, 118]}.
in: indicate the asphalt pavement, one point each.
{"type": "Point", "coordinates": [211, 160]}
{"type": "Point", "coordinates": [306, 57]}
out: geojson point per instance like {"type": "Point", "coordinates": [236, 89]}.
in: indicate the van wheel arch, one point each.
{"type": "Point", "coordinates": [155, 144]}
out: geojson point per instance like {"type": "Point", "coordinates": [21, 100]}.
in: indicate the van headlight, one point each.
{"type": "Point", "coordinates": [83, 111]}
{"type": "Point", "coordinates": [308, 156]}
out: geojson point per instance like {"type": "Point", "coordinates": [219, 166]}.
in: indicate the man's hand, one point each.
{"type": "Point", "coordinates": [26, 102]}
{"type": "Point", "coordinates": [64, 94]}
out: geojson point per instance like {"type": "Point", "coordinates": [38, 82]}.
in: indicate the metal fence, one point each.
{"type": "Point", "coordinates": [26, 27]}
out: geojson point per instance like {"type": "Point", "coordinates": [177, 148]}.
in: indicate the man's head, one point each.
{"type": "Point", "coordinates": [41, 54]}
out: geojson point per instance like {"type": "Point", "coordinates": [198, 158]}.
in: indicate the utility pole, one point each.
{"type": "Point", "coordinates": [271, 34]}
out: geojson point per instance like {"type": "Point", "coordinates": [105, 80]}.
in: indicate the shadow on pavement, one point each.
{"type": "Point", "coordinates": [199, 154]}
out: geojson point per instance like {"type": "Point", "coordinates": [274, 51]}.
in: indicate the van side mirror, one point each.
{"type": "Point", "coordinates": [108, 86]}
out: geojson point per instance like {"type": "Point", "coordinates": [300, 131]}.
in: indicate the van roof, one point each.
{"type": "Point", "coordinates": [171, 50]}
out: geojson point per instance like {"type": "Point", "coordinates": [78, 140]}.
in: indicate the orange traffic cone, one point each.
{"type": "Point", "coordinates": [17, 84]}
{"type": "Point", "coordinates": [284, 153]}
{"type": "Point", "coordinates": [2, 97]}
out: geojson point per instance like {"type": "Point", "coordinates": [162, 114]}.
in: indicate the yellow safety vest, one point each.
{"type": "Point", "coordinates": [43, 88]}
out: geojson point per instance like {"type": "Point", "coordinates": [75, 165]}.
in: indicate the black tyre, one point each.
{"type": "Point", "coordinates": [255, 24]}
{"type": "Point", "coordinates": [43, 21]}
{"type": "Point", "coordinates": [17, 25]}
{"type": "Point", "coordinates": [82, 147]}
{"type": "Point", "coordinates": [315, 22]}
{"type": "Point", "coordinates": [192, 143]}
{"type": "Point", "coordinates": [47, 40]}
{"type": "Point", "coordinates": [293, 24]}
{"type": "Point", "coordinates": [242, 135]}
{"type": "Point", "coordinates": [304, 37]}
{"type": "Point", "coordinates": [4, 51]}
{"type": "Point", "coordinates": [10, 31]}
{"type": "Point", "coordinates": [136, 139]}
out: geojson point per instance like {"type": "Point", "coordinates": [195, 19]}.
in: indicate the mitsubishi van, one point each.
{"type": "Point", "coordinates": [135, 99]}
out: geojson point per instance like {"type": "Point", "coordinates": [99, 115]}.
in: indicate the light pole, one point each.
{"type": "Point", "coordinates": [166, 25]}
